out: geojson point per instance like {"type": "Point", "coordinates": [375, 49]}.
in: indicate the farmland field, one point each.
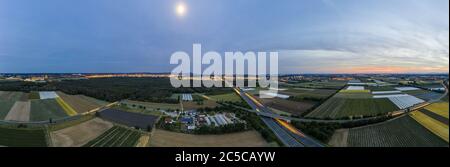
{"type": "Point", "coordinates": [445, 98]}
{"type": "Point", "coordinates": [42, 110]}
{"type": "Point", "coordinates": [34, 95]}
{"type": "Point", "coordinates": [162, 138]}
{"type": "Point", "coordinates": [175, 96]}
{"type": "Point", "coordinates": [416, 92]}
{"type": "Point", "coordinates": [435, 116]}
{"type": "Point", "coordinates": [68, 109]}
{"type": "Point", "coordinates": [7, 95]}
{"type": "Point", "coordinates": [320, 85]}
{"type": "Point", "coordinates": [73, 122]}
{"type": "Point", "coordinates": [93, 100]}
{"type": "Point", "coordinates": [190, 105]}
{"type": "Point", "coordinates": [5, 106]}
{"type": "Point", "coordinates": [441, 108]}
{"type": "Point", "coordinates": [435, 126]}
{"type": "Point", "coordinates": [80, 134]}
{"type": "Point", "coordinates": [309, 93]}
{"type": "Point", "coordinates": [78, 103]}
{"type": "Point", "coordinates": [342, 107]}
{"type": "Point", "coordinates": [297, 91]}
{"type": "Point", "coordinates": [137, 109]}
{"type": "Point", "coordinates": [13, 137]}
{"type": "Point", "coordinates": [401, 132]}
{"type": "Point", "coordinates": [20, 111]}
{"type": "Point", "coordinates": [116, 137]}
{"type": "Point", "coordinates": [355, 91]}
{"type": "Point", "coordinates": [143, 141]}
{"type": "Point", "coordinates": [152, 106]}
{"type": "Point", "coordinates": [233, 97]}
{"type": "Point", "coordinates": [293, 107]}
{"type": "Point", "coordinates": [429, 96]}
{"type": "Point", "coordinates": [354, 95]}
{"type": "Point", "coordinates": [381, 88]}
{"type": "Point", "coordinates": [129, 118]}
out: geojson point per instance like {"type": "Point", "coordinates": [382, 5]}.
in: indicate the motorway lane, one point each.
{"type": "Point", "coordinates": [279, 131]}
{"type": "Point", "coordinates": [288, 134]}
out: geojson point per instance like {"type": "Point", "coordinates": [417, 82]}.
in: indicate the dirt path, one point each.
{"type": "Point", "coordinates": [19, 112]}
{"type": "Point", "coordinates": [339, 138]}
{"type": "Point", "coordinates": [80, 134]}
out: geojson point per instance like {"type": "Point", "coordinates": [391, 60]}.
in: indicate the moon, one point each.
{"type": "Point", "coordinates": [181, 9]}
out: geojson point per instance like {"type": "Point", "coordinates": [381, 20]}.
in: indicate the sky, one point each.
{"type": "Point", "coordinates": [311, 36]}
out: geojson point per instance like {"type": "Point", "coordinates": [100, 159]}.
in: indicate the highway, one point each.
{"type": "Point", "coordinates": [286, 133]}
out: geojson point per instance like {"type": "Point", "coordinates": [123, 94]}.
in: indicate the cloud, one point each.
{"type": "Point", "coordinates": [393, 45]}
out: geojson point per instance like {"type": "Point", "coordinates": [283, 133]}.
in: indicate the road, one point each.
{"type": "Point", "coordinates": [440, 98]}
{"type": "Point", "coordinates": [288, 134]}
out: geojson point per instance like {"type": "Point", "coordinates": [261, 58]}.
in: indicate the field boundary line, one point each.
{"type": "Point", "coordinates": [101, 137]}
{"type": "Point", "coordinates": [48, 136]}
{"type": "Point", "coordinates": [67, 108]}
{"type": "Point", "coordinates": [125, 139]}
{"type": "Point", "coordinates": [424, 120]}
{"type": "Point", "coordinates": [125, 134]}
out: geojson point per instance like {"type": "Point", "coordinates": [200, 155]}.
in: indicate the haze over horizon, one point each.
{"type": "Point", "coordinates": [311, 36]}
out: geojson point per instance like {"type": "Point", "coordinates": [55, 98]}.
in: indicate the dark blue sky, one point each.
{"type": "Point", "coordinates": [140, 35]}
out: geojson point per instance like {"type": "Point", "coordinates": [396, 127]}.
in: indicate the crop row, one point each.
{"type": "Point", "coordinates": [402, 132]}
{"type": "Point", "coordinates": [116, 137]}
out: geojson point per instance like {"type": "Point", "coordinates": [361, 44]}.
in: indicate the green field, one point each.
{"type": "Point", "coordinates": [34, 96]}
{"type": "Point", "coordinates": [354, 95]}
{"type": "Point", "coordinates": [320, 85]}
{"type": "Point", "coordinates": [5, 106]}
{"type": "Point", "coordinates": [381, 88]}
{"type": "Point", "coordinates": [69, 123]}
{"type": "Point", "coordinates": [151, 106]}
{"type": "Point", "coordinates": [233, 97]}
{"type": "Point", "coordinates": [94, 100]}
{"type": "Point", "coordinates": [124, 107]}
{"type": "Point", "coordinates": [305, 93]}
{"type": "Point", "coordinates": [7, 95]}
{"type": "Point", "coordinates": [337, 108]}
{"type": "Point", "coordinates": [42, 110]}
{"type": "Point", "coordinates": [402, 132]}
{"type": "Point", "coordinates": [175, 96]}
{"type": "Point", "coordinates": [445, 98]}
{"type": "Point", "coordinates": [12, 137]}
{"type": "Point", "coordinates": [116, 137]}
{"type": "Point", "coordinates": [416, 92]}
